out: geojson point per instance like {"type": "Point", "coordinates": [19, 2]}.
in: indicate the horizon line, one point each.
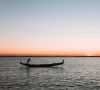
{"type": "Point", "coordinates": [43, 56]}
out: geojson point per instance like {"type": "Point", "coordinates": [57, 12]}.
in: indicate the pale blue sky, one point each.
{"type": "Point", "coordinates": [50, 24]}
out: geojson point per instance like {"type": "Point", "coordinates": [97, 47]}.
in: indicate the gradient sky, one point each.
{"type": "Point", "coordinates": [49, 27]}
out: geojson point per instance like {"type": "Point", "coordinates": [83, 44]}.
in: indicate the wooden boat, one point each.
{"type": "Point", "coordinates": [42, 65]}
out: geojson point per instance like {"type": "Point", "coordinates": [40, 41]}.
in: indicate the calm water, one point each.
{"type": "Point", "coordinates": [77, 73]}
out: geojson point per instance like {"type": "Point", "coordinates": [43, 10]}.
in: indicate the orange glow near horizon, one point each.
{"type": "Point", "coordinates": [48, 51]}
{"type": "Point", "coordinates": [45, 53]}
{"type": "Point", "coordinates": [96, 54]}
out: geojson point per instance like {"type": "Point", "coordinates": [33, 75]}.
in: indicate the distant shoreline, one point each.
{"type": "Point", "coordinates": [49, 56]}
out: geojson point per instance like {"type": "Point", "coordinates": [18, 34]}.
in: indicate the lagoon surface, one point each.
{"type": "Point", "coordinates": [77, 73]}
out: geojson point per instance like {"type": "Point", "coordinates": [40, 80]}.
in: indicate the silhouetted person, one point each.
{"type": "Point", "coordinates": [28, 60]}
{"type": "Point", "coordinates": [63, 61]}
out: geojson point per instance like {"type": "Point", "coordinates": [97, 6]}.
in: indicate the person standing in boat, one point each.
{"type": "Point", "coordinates": [28, 60]}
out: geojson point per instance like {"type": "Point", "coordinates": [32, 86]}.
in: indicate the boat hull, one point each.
{"type": "Point", "coordinates": [41, 65]}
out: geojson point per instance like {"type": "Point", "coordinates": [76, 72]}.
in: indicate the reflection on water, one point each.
{"type": "Point", "coordinates": [77, 73]}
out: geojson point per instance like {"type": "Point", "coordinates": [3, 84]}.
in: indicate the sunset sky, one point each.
{"type": "Point", "coordinates": [50, 27]}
